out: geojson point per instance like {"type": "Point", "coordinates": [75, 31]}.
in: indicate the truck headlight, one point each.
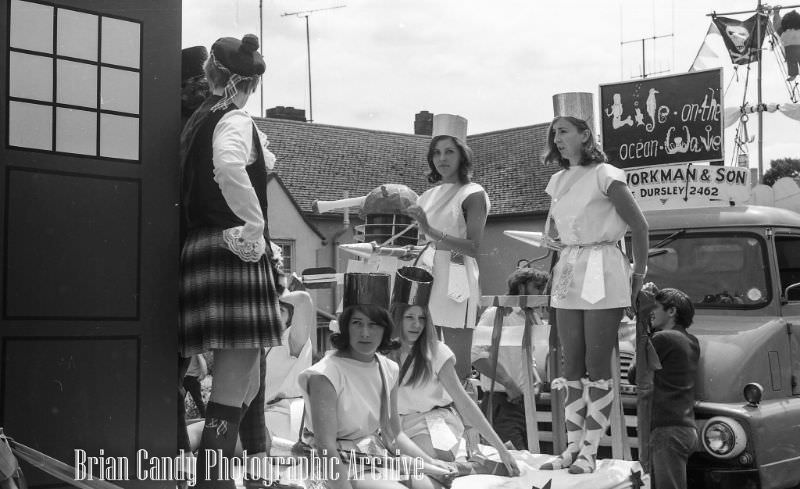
{"type": "Point", "coordinates": [723, 437]}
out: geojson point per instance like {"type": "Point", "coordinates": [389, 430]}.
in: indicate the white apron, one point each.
{"type": "Point", "coordinates": [456, 290]}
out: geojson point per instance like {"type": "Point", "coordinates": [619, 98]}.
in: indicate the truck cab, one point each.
{"type": "Point", "coordinates": [741, 267]}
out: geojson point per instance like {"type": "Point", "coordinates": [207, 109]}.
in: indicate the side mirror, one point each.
{"type": "Point", "coordinates": [785, 295]}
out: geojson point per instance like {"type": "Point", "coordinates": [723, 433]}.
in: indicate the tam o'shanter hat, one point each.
{"type": "Point", "coordinates": [192, 60]}
{"type": "Point", "coordinates": [240, 57]}
{"type": "Point", "coordinates": [412, 286]}
{"type": "Point", "coordinates": [450, 125]}
{"type": "Point", "coordinates": [366, 288]}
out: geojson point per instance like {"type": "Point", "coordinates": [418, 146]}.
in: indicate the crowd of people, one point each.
{"type": "Point", "coordinates": [389, 383]}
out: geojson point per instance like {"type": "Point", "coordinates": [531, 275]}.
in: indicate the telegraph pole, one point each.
{"type": "Point", "coordinates": [261, 47]}
{"type": "Point", "coordinates": [306, 14]}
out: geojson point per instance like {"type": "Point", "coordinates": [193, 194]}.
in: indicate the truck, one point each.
{"type": "Point", "coordinates": [741, 267]}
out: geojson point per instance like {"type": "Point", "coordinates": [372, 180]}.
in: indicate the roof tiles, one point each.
{"type": "Point", "coordinates": [320, 162]}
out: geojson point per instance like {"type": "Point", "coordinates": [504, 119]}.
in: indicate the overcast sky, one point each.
{"type": "Point", "coordinates": [375, 63]}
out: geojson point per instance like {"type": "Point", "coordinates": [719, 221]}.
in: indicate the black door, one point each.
{"type": "Point", "coordinates": [88, 238]}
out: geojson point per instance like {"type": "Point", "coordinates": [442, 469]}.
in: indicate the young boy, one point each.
{"type": "Point", "coordinates": [674, 435]}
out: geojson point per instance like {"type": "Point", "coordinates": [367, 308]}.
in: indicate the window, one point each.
{"type": "Point", "coordinates": [715, 270]}
{"type": "Point", "coordinates": [787, 249]}
{"type": "Point", "coordinates": [287, 250]}
{"type": "Point", "coordinates": [74, 82]}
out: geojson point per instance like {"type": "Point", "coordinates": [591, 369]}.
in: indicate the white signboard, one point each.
{"type": "Point", "coordinates": [688, 185]}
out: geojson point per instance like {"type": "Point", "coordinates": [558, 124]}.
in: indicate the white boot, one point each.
{"type": "Point", "coordinates": [574, 416]}
{"type": "Point", "coordinates": [598, 396]}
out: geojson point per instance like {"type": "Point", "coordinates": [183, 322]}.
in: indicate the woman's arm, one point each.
{"type": "Point", "coordinates": [776, 20]}
{"type": "Point", "coordinates": [232, 143]}
{"type": "Point", "coordinates": [304, 326]}
{"type": "Point", "coordinates": [322, 405]}
{"type": "Point", "coordinates": [628, 209]}
{"type": "Point", "coordinates": [476, 212]}
{"type": "Point", "coordinates": [472, 414]}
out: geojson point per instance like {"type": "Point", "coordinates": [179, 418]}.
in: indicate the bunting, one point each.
{"type": "Point", "coordinates": [706, 56]}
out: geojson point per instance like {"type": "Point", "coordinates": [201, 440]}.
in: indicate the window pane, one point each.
{"type": "Point", "coordinates": [76, 83]}
{"type": "Point", "coordinates": [714, 270]}
{"type": "Point", "coordinates": [31, 26]}
{"type": "Point", "coordinates": [787, 250]}
{"type": "Point", "coordinates": [31, 77]}
{"type": "Point", "coordinates": [76, 131]}
{"type": "Point", "coordinates": [120, 43]}
{"type": "Point", "coordinates": [119, 137]}
{"type": "Point", "coordinates": [30, 125]}
{"type": "Point", "coordinates": [287, 253]}
{"type": "Point", "coordinates": [119, 90]}
{"type": "Point", "coordinates": [77, 34]}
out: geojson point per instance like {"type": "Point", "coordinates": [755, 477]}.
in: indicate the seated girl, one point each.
{"type": "Point", "coordinates": [351, 394]}
{"type": "Point", "coordinates": [431, 399]}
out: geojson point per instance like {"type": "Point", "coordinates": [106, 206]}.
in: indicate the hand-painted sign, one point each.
{"type": "Point", "coordinates": [671, 119]}
{"type": "Point", "coordinates": [688, 185]}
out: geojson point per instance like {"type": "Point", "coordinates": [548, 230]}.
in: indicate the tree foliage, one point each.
{"type": "Point", "coordinates": [782, 167]}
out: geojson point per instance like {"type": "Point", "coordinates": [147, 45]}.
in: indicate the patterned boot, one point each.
{"type": "Point", "coordinates": [574, 414]}
{"type": "Point", "coordinates": [598, 395]}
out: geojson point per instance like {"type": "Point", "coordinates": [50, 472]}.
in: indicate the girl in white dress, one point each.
{"type": "Point", "coordinates": [452, 216]}
{"type": "Point", "coordinates": [431, 400]}
{"type": "Point", "coordinates": [591, 208]}
{"type": "Point", "coordinates": [351, 394]}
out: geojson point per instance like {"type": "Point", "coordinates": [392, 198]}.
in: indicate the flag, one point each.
{"type": "Point", "coordinates": [706, 56]}
{"type": "Point", "coordinates": [740, 37]}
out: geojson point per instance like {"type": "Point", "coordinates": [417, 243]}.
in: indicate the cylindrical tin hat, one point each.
{"type": "Point", "coordinates": [412, 286]}
{"type": "Point", "coordinates": [450, 125]}
{"type": "Point", "coordinates": [366, 288]}
{"type": "Point", "coordinates": [575, 104]}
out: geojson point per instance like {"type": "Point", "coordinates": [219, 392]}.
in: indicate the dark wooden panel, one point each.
{"type": "Point", "coordinates": [46, 399]}
{"type": "Point", "coordinates": [72, 246]}
{"type": "Point", "coordinates": [125, 289]}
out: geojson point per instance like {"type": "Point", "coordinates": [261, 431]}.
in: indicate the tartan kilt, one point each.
{"type": "Point", "coordinates": [225, 303]}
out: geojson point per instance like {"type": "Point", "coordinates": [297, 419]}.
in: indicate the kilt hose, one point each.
{"type": "Point", "coordinates": [225, 303]}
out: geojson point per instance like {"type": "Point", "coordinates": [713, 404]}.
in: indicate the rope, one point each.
{"type": "Point", "coordinates": [780, 57]}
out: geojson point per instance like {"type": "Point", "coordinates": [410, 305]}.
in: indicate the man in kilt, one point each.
{"type": "Point", "coordinates": [229, 302]}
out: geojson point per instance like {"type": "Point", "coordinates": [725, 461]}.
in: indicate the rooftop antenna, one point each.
{"type": "Point", "coordinates": [645, 73]}
{"type": "Point", "coordinates": [306, 14]}
{"type": "Point", "coordinates": [643, 41]}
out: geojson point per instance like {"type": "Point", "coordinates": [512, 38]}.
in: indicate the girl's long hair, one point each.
{"type": "Point", "coordinates": [422, 351]}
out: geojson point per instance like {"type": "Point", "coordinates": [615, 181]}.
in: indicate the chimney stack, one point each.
{"type": "Point", "coordinates": [287, 113]}
{"type": "Point", "coordinates": [423, 123]}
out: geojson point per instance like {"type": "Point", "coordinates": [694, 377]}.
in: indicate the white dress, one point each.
{"type": "Point", "coordinates": [427, 408]}
{"type": "Point", "coordinates": [592, 272]}
{"type": "Point", "coordinates": [456, 291]}
{"type": "Point", "coordinates": [358, 387]}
